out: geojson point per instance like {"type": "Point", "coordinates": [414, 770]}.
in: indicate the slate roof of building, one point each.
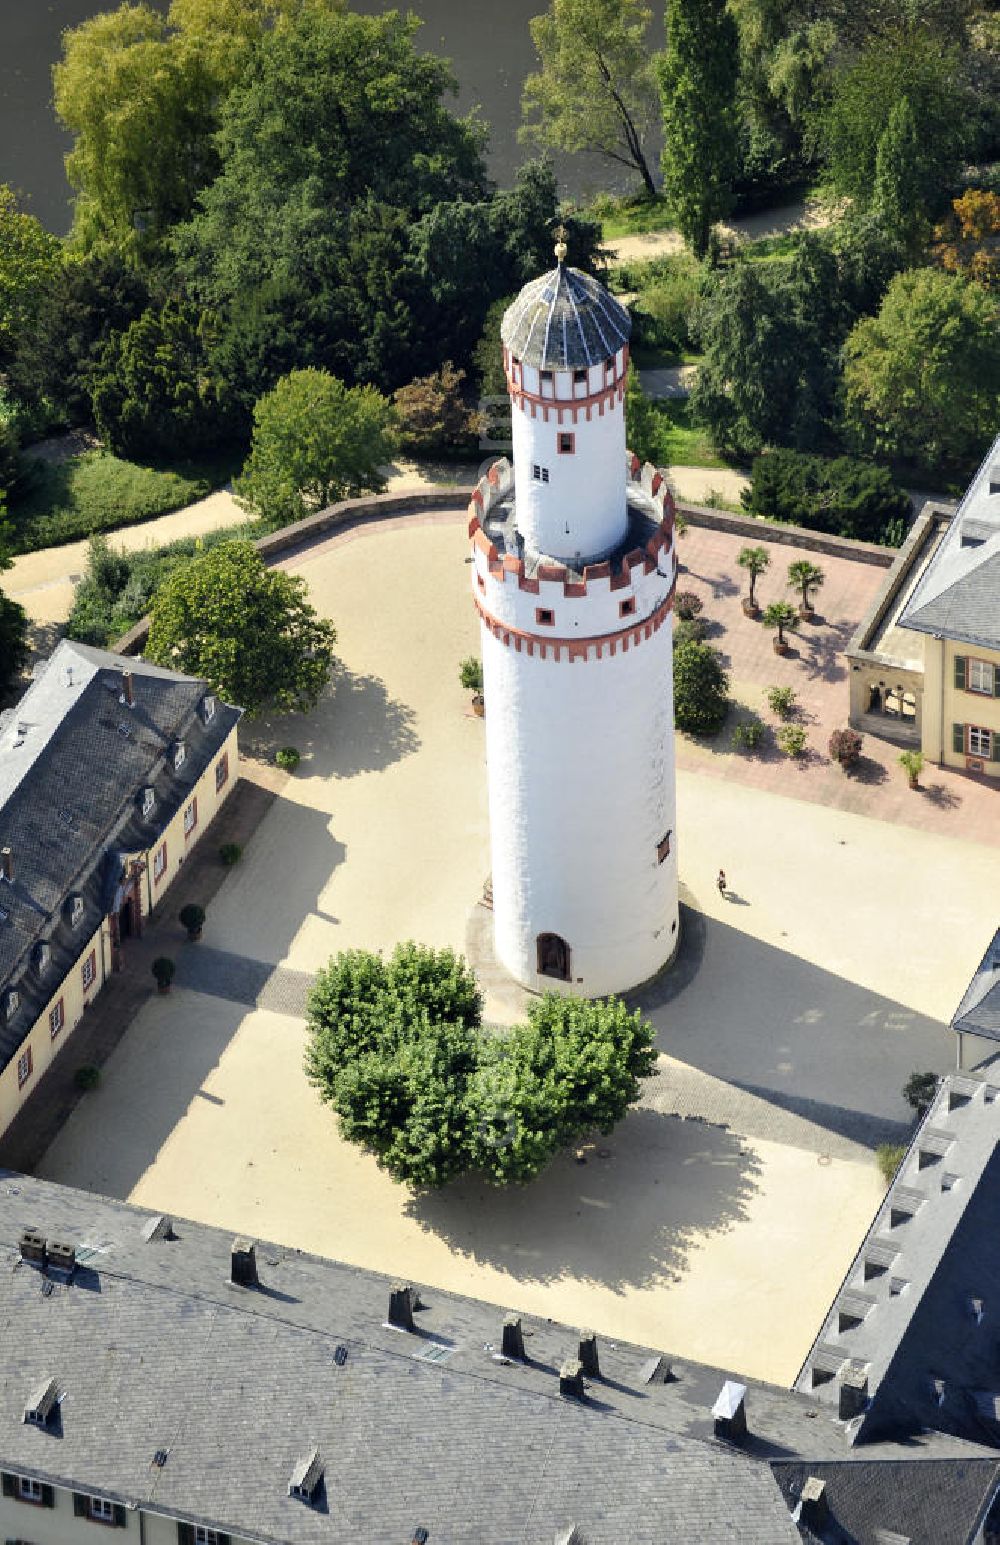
{"type": "Point", "coordinates": [73, 762]}
{"type": "Point", "coordinates": [979, 1011]}
{"type": "Point", "coordinates": [917, 1310]}
{"type": "Point", "coordinates": [563, 320]}
{"type": "Point", "coordinates": [884, 1501]}
{"type": "Point", "coordinates": [958, 595]}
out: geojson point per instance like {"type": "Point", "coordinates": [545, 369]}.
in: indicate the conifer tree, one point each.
{"type": "Point", "coordinates": [698, 80]}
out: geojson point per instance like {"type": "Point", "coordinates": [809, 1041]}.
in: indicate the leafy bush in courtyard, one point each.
{"type": "Point", "coordinates": [840, 495]}
{"type": "Point", "coordinates": [87, 1077]}
{"type": "Point", "coordinates": [888, 1157]}
{"type": "Point", "coordinates": [919, 1090]}
{"type": "Point", "coordinates": [687, 605]}
{"type": "Point", "coordinates": [397, 1049]}
{"type": "Point", "coordinates": [701, 689]}
{"type": "Point", "coordinates": [470, 673]}
{"type": "Point", "coordinates": [845, 747]}
{"type": "Point", "coordinates": [288, 758]}
{"type": "Point", "coordinates": [230, 853]}
{"type": "Point", "coordinates": [690, 629]}
{"type": "Point", "coordinates": [782, 701]}
{"type": "Point", "coordinates": [791, 739]}
{"type": "Point", "coordinates": [749, 734]}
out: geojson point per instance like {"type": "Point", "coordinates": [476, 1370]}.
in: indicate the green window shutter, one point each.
{"type": "Point", "coordinates": [996, 681]}
{"type": "Point", "coordinates": [995, 747]}
{"type": "Point", "coordinates": [81, 1508]}
{"type": "Point", "coordinates": [958, 738]}
{"type": "Point", "coordinates": [223, 1539]}
{"type": "Point", "coordinates": [8, 1484]}
{"type": "Point", "coordinates": [48, 1497]}
{"type": "Point", "coordinates": [185, 1534]}
{"type": "Point", "coordinates": [121, 1522]}
{"type": "Point", "coordinates": [960, 670]}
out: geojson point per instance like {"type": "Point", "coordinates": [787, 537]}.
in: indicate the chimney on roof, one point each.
{"type": "Point", "coordinates": [512, 1338]}
{"type": "Point", "coordinates": [853, 1393]}
{"type": "Point", "coordinates": [32, 1247]}
{"type": "Point", "coordinates": [571, 1379]}
{"type": "Point", "coordinates": [401, 1306]}
{"type": "Point", "coordinates": [128, 688]}
{"type": "Point", "coordinates": [7, 864]}
{"type": "Point", "coordinates": [587, 1353]}
{"type": "Point", "coordinates": [243, 1265]}
{"type": "Point", "coordinates": [41, 1404]}
{"type": "Point", "coordinates": [814, 1509]}
{"type": "Point", "coordinates": [730, 1411]}
{"type": "Point", "coordinates": [61, 1258]}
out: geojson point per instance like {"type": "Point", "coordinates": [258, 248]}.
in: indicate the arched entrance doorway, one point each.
{"type": "Point", "coordinates": [553, 956]}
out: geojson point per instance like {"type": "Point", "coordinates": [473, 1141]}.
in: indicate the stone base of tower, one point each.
{"type": "Point", "coordinates": [551, 963]}
{"type": "Point", "coordinates": [510, 995]}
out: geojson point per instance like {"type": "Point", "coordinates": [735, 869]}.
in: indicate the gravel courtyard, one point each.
{"type": "Point", "coordinates": [796, 1012]}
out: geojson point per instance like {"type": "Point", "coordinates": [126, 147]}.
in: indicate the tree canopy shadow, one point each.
{"type": "Point", "coordinates": [822, 653]}
{"type": "Point", "coordinates": [356, 727]}
{"type": "Point", "coordinates": [628, 1217]}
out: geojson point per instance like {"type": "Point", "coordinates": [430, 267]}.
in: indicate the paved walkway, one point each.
{"type": "Point", "coordinates": [772, 222]}
{"type": "Point", "coordinates": [948, 803]}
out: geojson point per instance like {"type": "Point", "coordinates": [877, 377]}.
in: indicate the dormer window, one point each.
{"type": "Point", "coordinates": [208, 707]}
{"type": "Point", "coordinates": [74, 910]}
{"type": "Point", "coordinates": [306, 1477]}
{"type": "Point", "coordinates": [42, 958]}
{"type": "Point", "coordinates": [179, 755]}
{"type": "Point", "coordinates": [10, 1003]}
{"type": "Point", "coordinates": [43, 1405]}
{"type": "Point", "coordinates": [147, 803]}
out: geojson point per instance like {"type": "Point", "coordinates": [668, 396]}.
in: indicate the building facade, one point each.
{"type": "Point", "coordinates": [110, 771]}
{"type": "Point", "coordinates": [573, 577]}
{"type": "Point", "coordinates": [925, 661]}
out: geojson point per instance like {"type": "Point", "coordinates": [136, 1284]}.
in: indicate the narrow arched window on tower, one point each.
{"type": "Point", "coordinates": [553, 956]}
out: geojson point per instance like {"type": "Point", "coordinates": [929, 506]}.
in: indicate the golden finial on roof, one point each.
{"type": "Point", "coordinates": [560, 234]}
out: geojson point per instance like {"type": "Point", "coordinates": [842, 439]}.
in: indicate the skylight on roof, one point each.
{"type": "Point", "coordinates": [124, 730]}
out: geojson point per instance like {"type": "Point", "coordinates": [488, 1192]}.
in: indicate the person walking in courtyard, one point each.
{"type": "Point", "coordinates": [721, 882]}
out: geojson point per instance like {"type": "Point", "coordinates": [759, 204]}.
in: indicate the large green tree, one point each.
{"type": "Point", "coordinates": [595, 89]}
{"type": "Point", "coordinates": [30, 258]}
{"type": "Point", "coordinates": [246, 629]}
{"type": "Point", "coordinates": [913, 66]}
{"type": "Point", "coordinates": [314, 440]}
{"type": "Point", "coordinates": [396, 1048]}
{"type": "Point", "coordinates": [151, 389]}
{"type": "Point", "coordinates": [922, 377]}
{"type": "Point", "coordinates": [701, 688]}
{"type": "Point", "coordinates": [13, 618]}
{"type": "Point", "coordinates": [698, 75]}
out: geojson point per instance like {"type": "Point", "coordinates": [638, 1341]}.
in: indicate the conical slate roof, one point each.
{"type": "Point", "coordinates": [565, 320]}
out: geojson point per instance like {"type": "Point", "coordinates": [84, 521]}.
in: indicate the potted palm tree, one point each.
{"type": "Point", "coordinates": [755, 560]}
{"type": "Point", "coordinates": [163, 970]}
{"type": "Point", "coordinates": [912, 763]}
{"type": "Point", "coordinates": [805, 577]}
{"type": "Point", "coordinates": [781, 616]}
{"type": "Point", "coordinates": [192, 918]}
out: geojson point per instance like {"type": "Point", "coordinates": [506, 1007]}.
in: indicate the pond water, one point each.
{"type": "Point", "coordinates": [488, 43]}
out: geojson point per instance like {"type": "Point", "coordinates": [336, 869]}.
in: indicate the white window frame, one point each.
{"type": "Point", "coordinates": [25, 1067]}
{"type": "Point", "coordinates": [148, 802]}
{"type": "Point", "coordinates": [180, 755]}
{"type": "Point", "coordinates": [88, 971]}
{"type": "Point", "coordinates": [979, 677]}
{"type": "Point", "coordinates": [11, 1003]}
{"type": "Point", "coordinates": [29, 1490]}
{"type": "Point", "coordinates": [208, 707]}
{"type": "Point", "coordinates": [203, 1536]}
{"type": "Point", "coordinates": [76, 912]}
{"type": "Point", "coordinates": [57, 1017]}
{"type": "Point", "coordinates": [190, 817]}
{"type": "Point", "coordinates": [974, 732]}
{"type": "Point", "coordinates": [222, 771]}
{"type": "Point", "coordinates": [160, 862]}
{"type": "Point", "coordinates": [101, 1510]}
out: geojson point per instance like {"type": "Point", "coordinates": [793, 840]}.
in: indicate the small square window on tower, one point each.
{"type": "Point", "coordinates": [566, 444]}
{"type": "Point", "coordinates": [544, 617]}
{"type": "Point", "coordinates": [579, 378]}
{"type": "Point", "coordinates": [663, 848]}
{"type": "Point", "coordinates": [539, 474]}
{"type": "Point", "coordinates": [626, 608]}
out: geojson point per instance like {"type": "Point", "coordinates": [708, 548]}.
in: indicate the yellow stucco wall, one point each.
{"type": "Point", "coordinates": [70, 989]}
{"type": "Point", "coordinates": [59, 1525]}
{"type": "Point", "coordinates": [945, 705]}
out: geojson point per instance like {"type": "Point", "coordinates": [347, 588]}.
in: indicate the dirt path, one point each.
{"type": "Point", "coordinates": [803, 215]}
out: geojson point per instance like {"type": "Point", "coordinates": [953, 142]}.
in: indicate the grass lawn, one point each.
{"type": "Point", "coordinates": [679, 442]}
{"type": "Point", "coordinates": [64, 501]}
{"type": "Point", "coordinates": [632, 216]}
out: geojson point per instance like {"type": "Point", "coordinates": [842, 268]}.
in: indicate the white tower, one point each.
{"type": "Point", "coordinates": [573, 578]}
